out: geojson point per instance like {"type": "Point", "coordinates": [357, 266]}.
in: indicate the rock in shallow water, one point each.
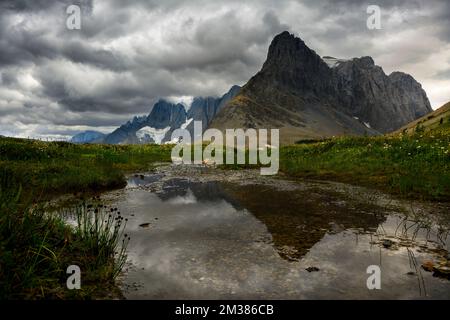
{"type": "Point", "coordinates": [312, 269]}
{"type": "Point", "coordinates": [145, 225]}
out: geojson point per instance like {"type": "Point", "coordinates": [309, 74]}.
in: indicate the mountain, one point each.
{"type": "Point", "coordinates": [306, 96]}
{"type": "Point", "coordinates": [386, 102]}
{"type": "Point", "coordinates": [166, 117]}
{"type": "Point", "coordinates": [205, 109]}
{"type": "Point", "coordinates": [438, 118]}
{"type": "Point", "coordinates": [87, 137]}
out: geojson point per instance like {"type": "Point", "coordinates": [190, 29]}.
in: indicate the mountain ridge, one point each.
{"type": "Point", "coordinates": [88, 136]}
{"type": "Point", "coordinates": [299, 93]}
{"type": "Point", "coordinates": [165, 117]}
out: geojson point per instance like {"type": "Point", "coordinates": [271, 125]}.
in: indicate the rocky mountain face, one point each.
{"type": "Point", "coordinates": [437, 119]}
{"type": "Point", "coordinates": [126, 132]}
{"type": "Point", "coordinates": [166, 117]}
{"type": "Point", "coordinates": [304, 96]}
{"type": "Point", "coordinates": [205, 109]}
{"type": "Point", "coordinates": [386, 102]}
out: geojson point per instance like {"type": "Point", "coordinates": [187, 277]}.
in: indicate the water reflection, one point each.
{"type": "Point", "coordinates": [299, 219]}
{"type": "Point", "coordinates": [215, 240]}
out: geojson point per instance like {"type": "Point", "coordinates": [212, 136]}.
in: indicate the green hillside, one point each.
{"type": "Point", "coordinates": [439, 119]}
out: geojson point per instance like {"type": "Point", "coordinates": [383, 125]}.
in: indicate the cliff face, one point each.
{"type": "Point", "coordinates": [299, 93]}
{"type": "Point", "coordinates": [205, 109]}
{"type": "Point", "coordinates": [166, 117]}
{"type": "Point", "coordinates": [386, 102]}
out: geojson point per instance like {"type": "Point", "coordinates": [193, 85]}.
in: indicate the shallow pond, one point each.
{"type": "Point", "coordinates": [206, 240]}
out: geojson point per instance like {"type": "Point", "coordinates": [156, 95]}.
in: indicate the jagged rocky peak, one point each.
{"type": "Point", "coordinates": [285, 46]}
{"type": "Point", "coordinates": [386, 102]}
{"type": "Point", "coordinates": [291, 64]}
{"type": "Point", "coordinates": [166, 116]}
{"type": "Point", "coordinates": [308, 96]}
{"type": "Point", "coordinates": [364, 62]}
{"type": "Point", "coordinates": [287, 50]}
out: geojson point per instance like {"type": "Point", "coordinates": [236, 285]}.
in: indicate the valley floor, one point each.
{"type": "Point", "coordinates": [31, 247]}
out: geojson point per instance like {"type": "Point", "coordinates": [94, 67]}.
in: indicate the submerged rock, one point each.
{"type": "Point", "coordinates": [145, 225]}
{"type": "Point", "coordinates": [387, 243]}
{"type": "Point", "coordinates": [312, 269]}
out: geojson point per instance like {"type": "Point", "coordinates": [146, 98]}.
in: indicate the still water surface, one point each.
{"type": "Point", "coordinates": [213, 240]}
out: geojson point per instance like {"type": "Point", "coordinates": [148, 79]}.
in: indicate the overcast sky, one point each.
{"type": "Point", "coordinates": [56, 82]}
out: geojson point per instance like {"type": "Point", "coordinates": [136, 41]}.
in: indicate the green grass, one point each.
{"type": "Point", "coordinates": [413, 166]}
{"type": "Point", "coordinates": [48, 168]}
{"type": "Point", "coordinates": [416, 166]}
{"type": "Point", "coordinates": [37, 247]}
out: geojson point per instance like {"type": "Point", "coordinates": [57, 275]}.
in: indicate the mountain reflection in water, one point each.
{"type": "Point", "coordinates": [222, 240]}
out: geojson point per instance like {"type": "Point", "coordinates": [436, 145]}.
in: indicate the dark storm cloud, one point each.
{"type": "Point", "coordinates": [110, 105]}
{"type": "Point", "coordinates": [79, 52]}
{"type": "Point", "coordinates": [26, 5]}
{"type": "Point", "coordinates": [215, 45]}
{"type": "Point", "coordinates": [129, 54]}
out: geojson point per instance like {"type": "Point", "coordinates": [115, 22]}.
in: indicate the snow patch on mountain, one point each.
{"type": "Point", "coordinates": [188, 121]}
{"type": "Point", "coordinates": [332, 61]}
{"type": "Point", "coordinates": [150, 134]}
